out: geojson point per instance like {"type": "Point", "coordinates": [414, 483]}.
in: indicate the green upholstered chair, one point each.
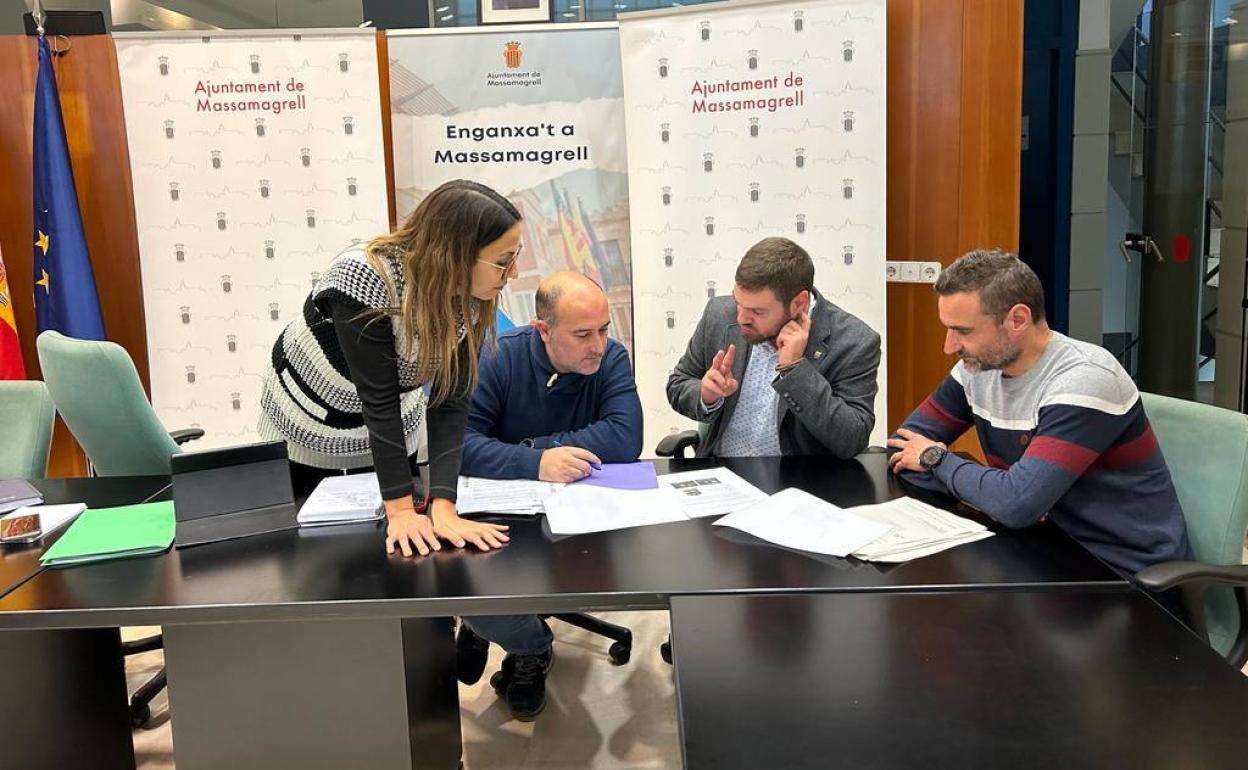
{"type": "Point", "coordinates": [1207, 450]}
{"type": "Point", "coordinates": [26, 418]}
{"type": "Point", "coordinates": [97, 391]}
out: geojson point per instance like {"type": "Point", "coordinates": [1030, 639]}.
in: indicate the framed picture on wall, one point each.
{"type": "Point", "coordinates": [513, 11]}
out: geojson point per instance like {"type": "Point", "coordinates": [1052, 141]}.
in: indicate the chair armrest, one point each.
{"type": "Point", "coordinates": [1169, 574]}
{"type": "Point", "coordinates": [186, 434]}
{"type": "Point", "coordinates": [675, 444]}
{"type": "Point", "coordinates": [1191, 578]}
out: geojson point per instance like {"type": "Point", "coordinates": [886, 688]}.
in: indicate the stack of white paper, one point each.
{"type": "Point", "coordinates": [797, 519]}
{"type": "Point", "coordinates": [581, 508]}
{"type": "Point", "coordinates": [510, 496]}
{"type": "Point", "coordinates": [712, 492]}
{"type": "Point", "coordinates": [917, 529]}
{"type": "Point", "coordinates": [343, 500]}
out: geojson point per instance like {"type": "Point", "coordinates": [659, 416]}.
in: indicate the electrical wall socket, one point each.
{"type": "Point", "coordinates": [910, 271]}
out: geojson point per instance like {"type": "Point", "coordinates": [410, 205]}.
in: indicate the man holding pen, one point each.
{"type": "Point", "coordinates": [554, 400]}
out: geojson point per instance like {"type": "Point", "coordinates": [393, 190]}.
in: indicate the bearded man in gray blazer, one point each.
{"type": "Point", "coordinates": [777, 369]}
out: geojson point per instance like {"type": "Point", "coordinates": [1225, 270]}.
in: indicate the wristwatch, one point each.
{"type": "Point", "coordinates": [932, 456]}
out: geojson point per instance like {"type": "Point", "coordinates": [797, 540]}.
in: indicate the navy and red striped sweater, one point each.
{"type": "Point", "coordinates": [1068, 438]}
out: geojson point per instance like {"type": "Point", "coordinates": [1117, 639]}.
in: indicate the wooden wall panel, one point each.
{"type": "Point", "coordinates": [91, 103]}
{"type": "Point", "coordinates": [954, 112]}
{"type": "Point", "coordinates": [387, 127]}
{"type": "Point", "coordinates": [992, 124]}
{"type": "Point", "coordinates": [924, 125]}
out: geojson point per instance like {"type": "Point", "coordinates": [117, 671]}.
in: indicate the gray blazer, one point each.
{"type": "Point", "coordinates": [827, 402]}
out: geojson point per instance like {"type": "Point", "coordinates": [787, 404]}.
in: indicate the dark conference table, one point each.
{"type": "Point", "coordinates": [55, 682]}
{"type": "Point", "coordinates": [285, 650]}
{"type": "Point", "coordinates": [19, 563]}
{"type": "Point", "coordinates": [1022, 680]}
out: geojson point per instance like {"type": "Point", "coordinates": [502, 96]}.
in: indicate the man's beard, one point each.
{"type": "Point", "coordinates": [992, 360]}
{"type": "Point", "coordinates": [754, 337]}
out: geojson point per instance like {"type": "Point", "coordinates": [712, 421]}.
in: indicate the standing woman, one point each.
{"type": "Point", "coordinates": [411, 308]}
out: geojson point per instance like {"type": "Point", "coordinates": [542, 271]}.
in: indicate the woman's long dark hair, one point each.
{"type": "Point", "coordinates": [440, 243]}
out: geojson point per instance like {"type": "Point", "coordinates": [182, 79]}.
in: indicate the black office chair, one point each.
{"type": "Point", "coordinates": [675, 444]}
{"type": "Point", "coordinates": [621, 648]}
{"type": "Point", "coordinates": [619, 653]}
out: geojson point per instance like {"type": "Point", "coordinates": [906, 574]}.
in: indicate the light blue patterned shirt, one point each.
{"type": "Point", "coordinates": [752, 431]}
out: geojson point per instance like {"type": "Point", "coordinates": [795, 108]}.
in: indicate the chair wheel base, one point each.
{"type": "Point", "coordinates": [620, 653]}
{"type": "Point", "coordinates": [665, 650]}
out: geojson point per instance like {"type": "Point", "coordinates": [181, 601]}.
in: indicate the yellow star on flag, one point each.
{"type": "Point", "coordinates": [43, 243]}
{"type": "Point", "coordinates": [44, 281]}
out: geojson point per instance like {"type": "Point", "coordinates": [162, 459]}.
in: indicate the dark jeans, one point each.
{"type": "Point", "coordinates": [517, 634]}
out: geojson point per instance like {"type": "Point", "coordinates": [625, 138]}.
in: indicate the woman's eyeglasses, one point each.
{"type": "Point", "coordinates": [505, 267]}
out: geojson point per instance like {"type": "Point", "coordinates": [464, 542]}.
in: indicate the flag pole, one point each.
{"type": "Point", "coordinates": [36, 13]}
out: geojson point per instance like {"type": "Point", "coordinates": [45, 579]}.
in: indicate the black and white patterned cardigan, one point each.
{"type": "Point", "coordinates": [308, 399]}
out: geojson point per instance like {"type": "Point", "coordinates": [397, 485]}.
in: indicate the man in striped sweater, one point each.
{"type": "Point", "coordinates": [1060, 422]}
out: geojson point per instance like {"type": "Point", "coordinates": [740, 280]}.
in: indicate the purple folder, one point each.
{"type": "Point", "coordinates": [623, 476]}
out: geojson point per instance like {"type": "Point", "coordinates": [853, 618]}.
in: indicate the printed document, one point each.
{"type": "Point", "coordinates": [509, 496]}
{"type": "Point", "coordinates": [712, 491]}
{"type": "Point", "coordinates": [916, 529]}
{"type": "Point", "coordinates": [343, 500]}
{"type": "Point", "coordinates": [578, 508]}
{"type": "Point", "coordinates": [796, 519]}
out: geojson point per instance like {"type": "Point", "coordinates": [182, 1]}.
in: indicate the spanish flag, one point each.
{"type": "Point", "coordinates": [11, 365]}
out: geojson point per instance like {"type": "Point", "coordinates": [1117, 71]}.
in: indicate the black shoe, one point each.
{"type": "Point", "coordinates": [502, 677]}
{"type": "Point", "coordinates": [526, 684]}
{"type": "Point", "coordinates": [471, 652]}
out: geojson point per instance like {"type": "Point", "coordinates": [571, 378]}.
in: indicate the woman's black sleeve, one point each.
{"type": "Point", "coordinates": [447, 423]}
{"type": "Point", "coordinates": [368, 345]}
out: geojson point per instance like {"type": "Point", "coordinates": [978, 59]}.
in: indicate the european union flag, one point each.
{"type": "Point", "coordinates": [65, 298]}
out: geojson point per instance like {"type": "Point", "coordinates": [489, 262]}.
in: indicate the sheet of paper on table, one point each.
{"type": "Point", "coordinates": [712, 492]}
{"type": "Point", "coordinates": [579, 508]}
{"type": "Point", "coordinates": [796, 519]}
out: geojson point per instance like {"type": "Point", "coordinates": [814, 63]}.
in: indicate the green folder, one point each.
{"type": "Point", "coordinates": [113, 533]}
